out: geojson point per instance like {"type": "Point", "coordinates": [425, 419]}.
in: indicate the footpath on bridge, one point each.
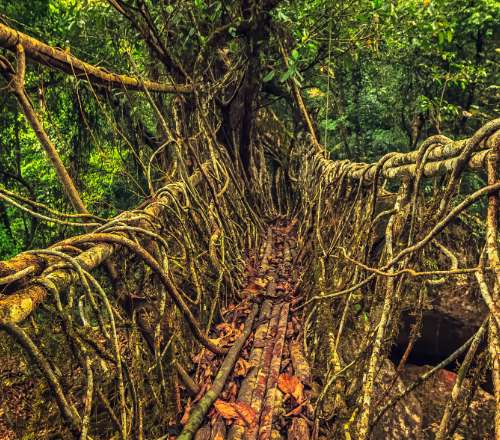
{"type": "Point", "coordinates": [260, 389]}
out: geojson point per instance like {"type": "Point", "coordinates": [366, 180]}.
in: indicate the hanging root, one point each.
{"type": "Point", "coordinates": [370, 255]}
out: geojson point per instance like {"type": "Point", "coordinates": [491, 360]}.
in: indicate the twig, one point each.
{"type": "Point", "coordinates": [198, 413]}
{"type": "Point", "coordinates": [457, 387]}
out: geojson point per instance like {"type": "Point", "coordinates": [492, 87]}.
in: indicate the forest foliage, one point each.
{"type": "Point", "coordinates": [377, 76]}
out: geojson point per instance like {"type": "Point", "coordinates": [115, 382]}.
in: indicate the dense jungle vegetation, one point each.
{"type": "Point", "coordinates": [377, 76]}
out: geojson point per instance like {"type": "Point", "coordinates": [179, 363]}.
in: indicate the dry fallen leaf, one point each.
{"type": "Point", "coordinates": [216, 341]}
{"type": "Point", "coordinates": [225, 409]}
{"type": "Point", "coordinates": [225, 328]}
{"type": "Point", "coordinates": [261, 282]}
{"type": "Point", "coordinates": [285, 285]}
{"type": "Point", "coordinates": [239, 411]}
{"type": "Point", "coordinates": [241, 368]}
{"type": "Point", "coordinates": [252, 290]}
{"type": "Point", "coordinates": [185, 417]}
{"type": "Point", "coordinates": [231, 391]}
{"type": "Point", "coordinates": [207, 373]}
{"type": "Point", "coordinates": [291, 385]}
{"type": "Point", "coordinates": [246, 413]}
{"type": "Point", "coordinates": [256, 286]}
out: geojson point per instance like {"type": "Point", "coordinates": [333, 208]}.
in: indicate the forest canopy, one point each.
{"type": "Point", "coordinates": [377, 76]}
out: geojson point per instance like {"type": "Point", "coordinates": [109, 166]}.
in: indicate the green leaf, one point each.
{"type": "Point", "coordinates": [329, 124]}
{"type": "Point", "coordinates": [281, 15]}
{"type": "Point", "coordinates": [290, 72]}
{"type": "Point", "coordinates": [441, 37]}
{"type": "Point", "coordinates": [269, 76]}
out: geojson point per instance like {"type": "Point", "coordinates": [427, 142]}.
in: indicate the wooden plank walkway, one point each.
{"type": "Point", "coordinates": [267, 400]}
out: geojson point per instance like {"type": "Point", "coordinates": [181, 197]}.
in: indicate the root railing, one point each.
{"type": "Point", "coordinates": [61, 60]}
{"type": "Point", "coordinates": [373, 234]}
{"type": "Point", "coordinates": [179, 258]}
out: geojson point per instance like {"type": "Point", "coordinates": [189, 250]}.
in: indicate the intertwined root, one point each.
{"type": "Point", "coordinates": [376, 252]}
{"type": "Point", "coordinates": [373, 239]}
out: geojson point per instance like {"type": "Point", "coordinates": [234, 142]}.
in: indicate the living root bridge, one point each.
{"type": "Point", "coordinates": [294, 329]}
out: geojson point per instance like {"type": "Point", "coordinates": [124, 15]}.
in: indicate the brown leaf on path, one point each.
{"type": "Point", "coordinates": [225, 409]}
{"type": "Point", "coordinates": [246, 412]}
{"type": "Point", "coordinates": [241, 368]}
{"type": "Point", "coordinates": [284, 285]}
{"type": "Point", "coordinates": [256, 286]}
{"type": "Point", "coordinates": [251, 290]}
{"type": "Point", "coordinates": [187, 412]}
{"type": "Point", "coordinates": [239, 411]}
{"type": "Point", "coordinates": [218, 342]}
{"type": "Point", "coordinates": [231, 392]}
{"type": "Point", "coordinates": [291, 385]}
{"type": "Point", "coordinates": [207, 373]}
{"type": "Point", "coordinates": [298, 393]}
{"type": "Point", "coordinates": [261, 282]}
{"type": "Point", "coordinates": [225, 327]}
{"type": "Point", "coordinates": [287, 383]}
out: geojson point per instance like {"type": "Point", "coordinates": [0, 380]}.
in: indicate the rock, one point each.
{"type": "Point", "coordinates": [435, 393]}
{"type": "Point", "coordinates": [404, 420]}
{"type": "Point", "coordinates": [441, 334]}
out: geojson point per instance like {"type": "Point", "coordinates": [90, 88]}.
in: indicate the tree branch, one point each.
{"type": "Point", "coordinates": [65, 62]}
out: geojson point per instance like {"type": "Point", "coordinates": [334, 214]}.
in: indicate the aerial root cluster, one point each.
{"type": "Point", "coordinates": [374, 233]}
{"type": "Point", "coordinates": [372, 239]}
